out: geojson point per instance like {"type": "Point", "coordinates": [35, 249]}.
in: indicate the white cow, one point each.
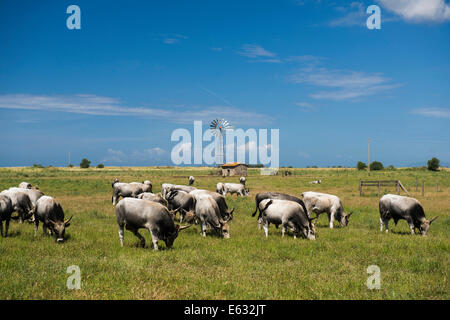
{"type": "Point", "coordinates": [237, 188]}
{"type": "Point", "coordinates": [321, 202]}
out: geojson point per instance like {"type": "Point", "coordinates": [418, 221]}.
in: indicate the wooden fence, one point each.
{"type": "Point", "coordinates": [382, 183]}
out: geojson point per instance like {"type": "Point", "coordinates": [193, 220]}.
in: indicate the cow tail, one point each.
{"type": "Point", "coordinates": [267, 205]}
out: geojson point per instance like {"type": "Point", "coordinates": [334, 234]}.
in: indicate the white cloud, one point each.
{"type": "Point", "coordinates": [355, 17]}
{"type": "Point", "coordinates": [345, 84]}
{"type": "Point", "coordinates": [419, 10]}
{"type": "Point", "coordinates": [255, 51]}
{"type": "Point", "coordinates": [305, 106]}
{"type": "Point", "coordinates": [106, 106]}
{"type": "Point", "coordinates": [432, 112]}
{"type": "Point", "coordinates": [173, 38]}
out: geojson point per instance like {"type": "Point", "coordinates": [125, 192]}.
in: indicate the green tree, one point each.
{"type": "Point", "coordinates": [376, 165]}
{"type": "Point", "coordinates": [433, 164]}
{"type": "Point", "coordinates": [361, 165]}
{"type": "Point", "coordinates": [100, 166]}
{"type": "Point", "coordinates": [85, 163]}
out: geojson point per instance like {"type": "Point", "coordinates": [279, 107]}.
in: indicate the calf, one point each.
{"type": "Point", "coordinates": [134, 214]}
{"type": "Point", "coordinates": [6, 209]}
{"type": "Point", "coordinates": [399, 207]}
{"type": "Point", "coordinates": [208, 213]}
{"type": "Point", "coordinates": [275, 195]}
{"type": "Point", "coordinates": [191, 180]}
{"type": "Point", "coordinates": [321, 202]}
{"type": "Point", "coordinates": [236, 188]}
{"type": "Point", "coordinates": [121, 189]}
{"type": "Point", "coordinates": [288, 214]}
{"type": "Point", "coordinates": [220, 200]}
{"type": "Point", "coordinates": [181, 202]}
{"type": "Point", "coordinates": [21, 203]}
{"type": "Point", "coordinates": [153, 197]}
{"type": "Point", "coordinates": [51, 214]}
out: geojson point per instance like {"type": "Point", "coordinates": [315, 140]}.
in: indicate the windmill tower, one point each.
{"type": "Point", "coordinates": [218, 127]}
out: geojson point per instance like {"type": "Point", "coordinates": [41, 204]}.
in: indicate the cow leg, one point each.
{"type": "Point", "coordinates": [386, 225]}
{"type": "Point", "coordinates": [21, 214]}
{"type": "Point", "coordinates": [6, 227]}
{"type": "Point", "coordinates": [266, 228]}
{"type": "Point", "coordinates": [44, 228]}
{"type": "Point", "coordinates": [154, 240]}
{"type": "Point", "coordinates": [1, 228]}
{"type": "Point", "coordinates": [411, 227]}
{"type": "Point", "coordinates": [381, 225]}
{"type": "Point", "coordinates": [203, 228]}
{"type": "Point", "coordinates": [331, 219]}
{"type": "Point", "coordinates": [36, 225]}
{"type": "Point", "coordinates": [121, 235]}
{"type": "Point", "coordinates": [137, 234]}
{"type": "Point", "coordinates": [259, 223]}
{"type": "Point", "coordinates": [283, 230]}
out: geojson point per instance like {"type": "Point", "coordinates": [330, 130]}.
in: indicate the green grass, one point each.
{"type": "Point", "coordinates": [247, 266]}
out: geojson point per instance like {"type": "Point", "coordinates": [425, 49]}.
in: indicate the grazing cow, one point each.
{"type": "Point", "coordinates": [33, 194]}
{"type": "Point", "coordinates": [146, 185]}
{"type": "Point", "coordinates": [134, 214]}
{"type": "Point", "coordinates": [275, 195]}
{"type": "Point", "coordinates": [288, 214]}
{"type": "Point", "coordinates": [126, 190]}
{"type": "Point", "coordinates": [321, 202]}
{"type": "Point", "coordinates": [242, 180]}
{"type": "Point", "coordinates": [220, 200]}
{"type": "Point", "coordinates": [315, 182]}
{"type": "Point", "coordinates": [191, 180]}
{"type": "Point", "coordinates": [182, 201]}
{"type": "Point", "coordinates": [237, 188]}
{"type": "Point", "coordinates": [220, 188]}
{"type": "Point", "coordinates": [182, 188]}
{"type": "Point", "coordinates": [153, 197]}
{"type": "Point", "coordinates": [25, 185]}
{"type": "Point", "coordinates": [51, 214]}
{"type": "Point", "coordinates": [21, 203]}
{"type": "Point", "coordinates": [208, 213]}
{"type": "Point", "coordinates": [399, 207]}
{"type": "Point", "coordinates": [6, 209]}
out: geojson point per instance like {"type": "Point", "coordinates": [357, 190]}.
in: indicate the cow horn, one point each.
{"type": "Point", "coordinates": [174, 211]}
{"type": "Point", "coordinates": [51, 221]}
{"type": "Point", "coordinates": [433, 219]}
{"type": "Point", "coordinates": [183, 227]}
{"type": "Point", "coordinates": [311, 219]}
{"type": "Point", "coordinates": [351, 212]}
{"type": "Point", "coordinates": [68, 220]}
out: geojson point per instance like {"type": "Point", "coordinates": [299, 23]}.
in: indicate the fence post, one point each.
{"type": "Point", "coordinates": [378, 187]}
{"type": "Point", "coordinates": [360, 187]}
{"type": "Point", "coordinates": [423, 188]}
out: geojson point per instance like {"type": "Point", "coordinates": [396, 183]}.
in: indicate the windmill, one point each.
{"type": "Point", "coordinates": [218, 127]}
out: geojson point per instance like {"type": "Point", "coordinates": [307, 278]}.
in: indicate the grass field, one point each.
{"type": "Point", "coordinates": [247, 266]}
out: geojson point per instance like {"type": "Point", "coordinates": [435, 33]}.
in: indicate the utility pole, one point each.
{"type": "Point", "coordinates": [368, 154]}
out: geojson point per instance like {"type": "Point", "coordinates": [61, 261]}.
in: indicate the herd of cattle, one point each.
{"type": "Point", "coordinates": [141, 208]}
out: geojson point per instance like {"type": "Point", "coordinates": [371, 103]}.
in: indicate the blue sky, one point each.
{"type": "Point", "coordinates": [115, 90]}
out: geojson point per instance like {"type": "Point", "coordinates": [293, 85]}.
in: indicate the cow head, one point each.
{"type": "Point", "coordinates": [172, 236]}
{"type": "Point", "coordinates": [310, 232]}
{"type": "Point", "coordinates": [247, 192]}
{"type": "Point", "coordinates": [225, 228]}
{"type": "Point", "coordinates": [344, 219]}
{"type": "Point", "coordinates": [114, 182]}
{"type": "Point", "coordinates": [59, 228]}
{"type": "Point", "coordinates": [425, 225]}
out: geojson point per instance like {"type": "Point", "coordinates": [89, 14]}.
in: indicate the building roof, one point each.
{"type": "Point", "coordinates": [232, 164]}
